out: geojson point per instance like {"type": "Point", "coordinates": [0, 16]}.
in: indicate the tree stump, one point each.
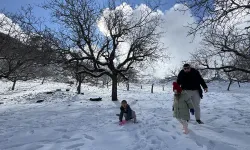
{"type": "Point", "coordinates": [49, 92]}
{"type": "Point", "coordinates": [39, 101]}
{"type": "Point", "coordinates": [95, 99]}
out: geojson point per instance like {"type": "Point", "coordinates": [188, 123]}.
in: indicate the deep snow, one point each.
{"type": "Point", "coordinates": [69, 121]}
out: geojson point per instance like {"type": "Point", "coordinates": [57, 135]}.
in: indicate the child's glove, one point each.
{"type": "Point", "coordinates": [192, 111]}
{"type": "Point", "coordinates": [122, 122]}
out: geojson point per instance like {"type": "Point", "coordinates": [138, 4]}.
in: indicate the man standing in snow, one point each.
{"type": "Point", "coordinates": [191, 81]}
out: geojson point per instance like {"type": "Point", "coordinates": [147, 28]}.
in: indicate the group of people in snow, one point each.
{"type": "Point", "coordinates": [187, 96]}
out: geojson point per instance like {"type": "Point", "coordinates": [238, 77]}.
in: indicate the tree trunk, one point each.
{"type": "Point", "coordinates": [107, 84]}
{"type": "Point", "coordinates": [114, 88]}
{"type": "Point", "coordinates": [152, 88]}
{"type": "Point", "coordinates": [43, 80]}
{"type": "Point", "coordinates": [141, 86]}
{"type": "Point", "coordinates": [14, 84]}
{"type": "Point", "coordinates": [128, 86]}
{"type": "Point", "coordinates": [239, 84]}
{"type": "Point", "coordinates": [96, 82]}
{"type": "Point", "coordinates": [79, 84]}
{"type": "Point", "coordinates": [163, 88]}
{"type": "Point", "coordinates": [228, 88]}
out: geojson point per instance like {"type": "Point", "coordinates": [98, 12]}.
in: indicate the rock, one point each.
{"type": "Point", "coordinates": [67, 90]}
{"type": "Point", "coordinates": [95, 99]}
{"type": "Point", "coordinates": [39, 101]}
{"type": "Point", "coordinates": [49, 92]}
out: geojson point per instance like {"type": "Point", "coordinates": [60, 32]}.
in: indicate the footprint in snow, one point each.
{"type": "Point", "coordinates": [162, 129]}
{"type": "Point", "coordinates": [61, 130]}
{"type": "Point", "coordinates": [198, 143]}
{"type": "Point", "coordinates": [35, 147]}
{"type": "Point", "coordinates": [137, 137]}
{"type": "Point", "coordinates": [247, 133]}
{"type": "Point", "coordinates": [153, 141]}
{"type": "Point", "coordinates": [74, 146]}
{"type": "Point", "coordinates": [151, 148]}
{"type": "Point", "coordinates": [137, 147]}
{"type": "Point", "coordinates": [75, 139]}
{"type": "Point", "coordinates": [142, 132]}
{"type": "Point", "coordinates": [173, 137]}
{"type": "Point", "coordinates": [220, 131]}
{"type": "Point", "coordinates": [68, 140]}
{"type": "Point", "coordinates": [210, 145]}
{"type": "Point", "coordinates": [66, 137]}
{"type": "Point", "coordinates": [89, 137]}
{"type": "Point", "coordinates": [173, 126]}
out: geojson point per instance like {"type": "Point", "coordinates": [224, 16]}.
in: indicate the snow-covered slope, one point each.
{"type": "Point", "coordinates": [69, 121]}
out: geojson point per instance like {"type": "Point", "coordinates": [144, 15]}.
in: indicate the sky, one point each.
{"type": "Point", "coordinates": [175, 39]}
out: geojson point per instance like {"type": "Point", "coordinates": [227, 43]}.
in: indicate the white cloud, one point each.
{"type": "Point", "coordinates": [175, 38]}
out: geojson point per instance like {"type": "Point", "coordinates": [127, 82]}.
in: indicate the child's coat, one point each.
{"type": "Point", "coordinates": [182, 105]}
{"type": "Point", "coordinates": [128, 113]}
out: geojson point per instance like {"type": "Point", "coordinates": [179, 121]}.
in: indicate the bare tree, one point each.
{"type": "Point", "coordinates": [229, 47]}
{"type": "Point", "coordinates": [224, 26]}
{"type": "Point", "coordinates": [81, 22]}
{"type": "Point", "coordinates": [21, 51]}
{"type": "Point", "coordinates": [214, 13]}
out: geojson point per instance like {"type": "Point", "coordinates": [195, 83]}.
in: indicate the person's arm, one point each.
{"type": "Point", "coordinates": [121, 114]}
{"type": "Point", "coordinates": [202, 82]}
{"type": "Point", "coordinates": [129, 113]}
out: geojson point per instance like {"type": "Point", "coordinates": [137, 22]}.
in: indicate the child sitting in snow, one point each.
{"type": "Point", "coordinates": [126, 112]}
{"type": "Point", "coordinates": [181, 107]}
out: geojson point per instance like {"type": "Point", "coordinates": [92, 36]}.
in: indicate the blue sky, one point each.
{"type": "Point", "coordinates": [14, 5]}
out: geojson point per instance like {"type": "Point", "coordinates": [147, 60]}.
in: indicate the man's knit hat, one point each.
{"type": "Point", "coordinates": [176, 87]}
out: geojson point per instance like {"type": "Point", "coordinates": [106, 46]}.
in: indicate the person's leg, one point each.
{"type": "Point", "coordinates": [192, 95]}
{"type": "Point", "coordinates": [181, 122]}
{"type": "Point", "coordinates": [134, 116]}
{"type": "Point", "coordinates": [184, 124]}
{"type": "Point", "coordinates": [196, 102]}
{"type": "Point", "coordinates": [125, 115]}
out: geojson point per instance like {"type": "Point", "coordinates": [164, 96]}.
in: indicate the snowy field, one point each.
{"type": "Point", "coordinates": [66, 121]}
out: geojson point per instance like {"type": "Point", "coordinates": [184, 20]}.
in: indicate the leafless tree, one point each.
{"type": "Point", "coordinates": [224, 27]}
{"type": "Point", "coordinates": [22, 51]}
{"type": "Point", "coordinates": [80, 20]}
{"type": "Point", "coordinates": [229, 47]}
{"type": "Point", "coordinates": [214, 13]}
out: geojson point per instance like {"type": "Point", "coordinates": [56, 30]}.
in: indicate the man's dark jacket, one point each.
{"type": "Point", "coordinates": [191, 80]}
{"type": "Point", "coordinates": [128, 111]}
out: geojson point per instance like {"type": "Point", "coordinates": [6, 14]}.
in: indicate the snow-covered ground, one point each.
{"type": "Point", "coordinates": [69, 121]}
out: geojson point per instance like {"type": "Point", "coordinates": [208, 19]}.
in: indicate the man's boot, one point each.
{"type": "Point", "coordinates": [199, 121]}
